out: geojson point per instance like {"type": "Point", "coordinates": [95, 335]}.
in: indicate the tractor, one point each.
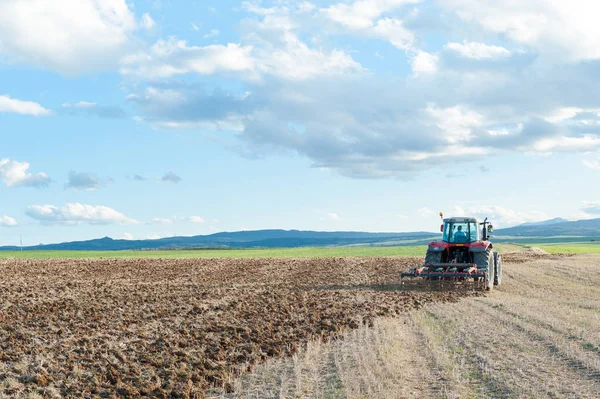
{"type": "Point", "coordinates": [463, 258]}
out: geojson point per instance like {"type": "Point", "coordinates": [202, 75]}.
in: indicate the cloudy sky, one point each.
{"type": "Point", "coordinates": [150, 118]}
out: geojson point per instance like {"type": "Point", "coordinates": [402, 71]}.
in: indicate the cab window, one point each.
{"type": "Point", "coordinates": [460, 232]}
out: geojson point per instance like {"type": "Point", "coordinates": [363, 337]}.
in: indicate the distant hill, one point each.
{"type": "Point", "coordinates": [590, 227]}
{"type": "Point", "coordinates": [239, 239]}
{"type": "Point", "coordinates": [544, 223]}
{"type": "Point", "coordinates": [298, 238]}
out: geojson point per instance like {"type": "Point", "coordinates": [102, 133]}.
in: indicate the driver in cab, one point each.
{"type": "Point", "coordinates": [460, 236]}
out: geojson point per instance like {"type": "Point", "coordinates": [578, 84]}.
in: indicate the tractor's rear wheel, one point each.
{"type": "Point", "coordinates": [497, 269]}
{"type": "Point", "coordinates": [486, 259]}
{"type": "Point", "coordinates": [490, 277]}
{"type": "Point", "coordinates": [433, 257]}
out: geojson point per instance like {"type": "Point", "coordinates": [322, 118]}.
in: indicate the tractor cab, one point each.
{"type": "Point", "coordinates": [465, 230]}
{"type": "Point", "coordinates": [460, 230]}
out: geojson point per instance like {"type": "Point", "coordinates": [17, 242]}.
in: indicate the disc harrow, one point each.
{"type": "Point", "coordinates": [446, 276]}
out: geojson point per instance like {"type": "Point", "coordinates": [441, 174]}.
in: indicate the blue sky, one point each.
{"type": "Point", "coordinates": [154, 118]}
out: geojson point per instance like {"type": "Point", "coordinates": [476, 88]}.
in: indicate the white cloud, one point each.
{"type": "Point", "coordinates": [7, 221]}
{"type": "Point", "coordinates": [127, 236]}
{"type": "Point", "coordinates": [393, 30]}
{"type": "Point", "coordinates": [76, 213]}
{"type": "Point", "coordinates": [279, 51]}
{"type": "Point", "coordinates": [8, 104]}
{"type": "Point", "coordinates": [402, 217]}
{"type": "Point", "coordinates": [14, 174]}
{"type": "Point", "coordinates": [424, 63]}
{"type": "Point", "coordinates": [504, 217]}
{"type": "Point", "coordinates": [595, 165]}
{"type": "Point", "coordinates": [80, 104]}
{"type": "Point", "coordinates": [254, 6]}
{"type": "Point", "coordinates": [147, 22]}
{"type": "Point", "coordinates": [68, 36]}
{"type": "Point", "coordinates": [270, 47]}
{"type": "Point", "coordinates": [478, 51]}
{"type": "Point", "coordinates": [362, 13]}
{"type": "Point", "coordinates": [212, 33]}
{"type": "Point", "coordinates": [154, 237]}
{"type": "Point", "coordinates": [564, 30]}
{"type": "Point", "coordinates": [456, 122]}
{"type": "Point", "coordinates": [565, 143]}
{"type": "Point", "coordinates": [196, 219]}
{"type": "Point", "coordinates": [333, 216]}
{"type": "Point", "coordinates": [172, 57]}
{"type": "Point", "coordinates": [562, 113]}
{"type": "Point", "coordinates": [296, 61]}
{"type": "Point", "coordinates": [363, 18]}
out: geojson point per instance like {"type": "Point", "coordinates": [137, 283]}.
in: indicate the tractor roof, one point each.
{"type": "Point", "coordinates": [461, 220]}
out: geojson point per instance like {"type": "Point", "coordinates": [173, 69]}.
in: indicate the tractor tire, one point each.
{"type": "Point", "coordinates": [433, 257]}
{"type": "Point", "coordinates": [497, 269]}
{"type": "Point", "coordinates": [486, 258]}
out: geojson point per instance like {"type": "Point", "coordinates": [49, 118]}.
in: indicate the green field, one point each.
{"type": "Point", "coordinates": [305, 252]}
{"type": "Point", "coordinates": [571, 248]}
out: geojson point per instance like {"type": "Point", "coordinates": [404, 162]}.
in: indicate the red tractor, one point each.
{"type": "Point", "coordinates": [463, 258]}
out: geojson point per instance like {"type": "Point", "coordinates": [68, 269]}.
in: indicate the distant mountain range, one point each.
{"type": "Point", "coordinates": [297, 238]}
{"type": "Point", "coordinates": [239, 239]}
{"type": "Point", "coordinates": [554, 227]}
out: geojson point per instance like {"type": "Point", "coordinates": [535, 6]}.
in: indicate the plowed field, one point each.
{"type": "Point", "coordinates": [173, 328]}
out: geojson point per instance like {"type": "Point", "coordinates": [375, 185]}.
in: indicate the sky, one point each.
{"type": "Point", "coordinates": [153, 118]}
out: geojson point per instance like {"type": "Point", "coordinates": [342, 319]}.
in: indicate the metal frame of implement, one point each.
{"type": "Point", "coordinates": [465, 275]}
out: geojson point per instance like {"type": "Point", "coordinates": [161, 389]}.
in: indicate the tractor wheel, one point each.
{"type": "Point", "coordinates": [490, 278]}
{"type": "Point", "coordinates": [497, 269]}
{"type": "Point", "coordinates": [486, 258]}
{"type": "Point", "coordinates": [433, 257]}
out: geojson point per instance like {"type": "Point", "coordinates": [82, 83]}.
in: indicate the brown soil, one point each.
{"type": "Point", "coordinates": [173, 328]}
{"type": "Point", "coordinates": [529, 256]}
